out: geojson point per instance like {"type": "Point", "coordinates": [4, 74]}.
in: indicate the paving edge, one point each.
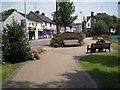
{"type": "Point", "coordinates": [13, 75]}
{"type": "Point", "coordinates": [86, 73]}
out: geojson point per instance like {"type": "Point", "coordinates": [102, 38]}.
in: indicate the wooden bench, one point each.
{"type": "Point", "coordinates": [99, 46]}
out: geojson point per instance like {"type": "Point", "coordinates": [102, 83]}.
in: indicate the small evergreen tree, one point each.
{"type": "Point", "coordinates": [14, 43]}
{"type": "Point", "coordinates": [8, 12]}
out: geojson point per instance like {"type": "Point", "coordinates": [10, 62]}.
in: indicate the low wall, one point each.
{"type": "Point", "coordinates": [72, 35]}
{"type": "Point", "coordinates": [105, 37]}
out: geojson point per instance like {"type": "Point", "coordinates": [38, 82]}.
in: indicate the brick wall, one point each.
{"type": "Point", "coordinates": [72, 35]}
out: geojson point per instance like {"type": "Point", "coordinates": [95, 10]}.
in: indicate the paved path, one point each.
{"type": "Point", "coordinates": [56, 69]}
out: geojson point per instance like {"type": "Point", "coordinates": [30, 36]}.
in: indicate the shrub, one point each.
{"type": "Point", "coordinates": [100, 27]}
{"type": "Point", "coordinates": [56, 42]}
{"type": "Point", "coordinates": [14, 43]}
{"type": "Point", "coordinates": [89, 34]}
{"type": "Point", "coordinates": [33, 54]}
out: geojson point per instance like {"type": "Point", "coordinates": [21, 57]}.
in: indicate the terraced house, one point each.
{"type": "Point", "coordinates": [38, 25]}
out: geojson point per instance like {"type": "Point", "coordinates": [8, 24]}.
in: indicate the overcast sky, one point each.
{"type": "Point", "coordinates": [48, 6]}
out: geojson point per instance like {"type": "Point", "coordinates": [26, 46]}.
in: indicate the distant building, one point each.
{"type": "Point", "coordinates": [90, 22]}
{"type": "Point", "coordinates": [47, 28]}
{"type": "Point", "coordinates": [77, 27]}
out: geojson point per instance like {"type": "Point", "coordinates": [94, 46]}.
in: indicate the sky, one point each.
{"type": "Point", "coordinates": [48, 7]}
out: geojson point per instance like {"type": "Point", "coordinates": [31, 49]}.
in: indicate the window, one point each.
{"type": "Point", "coordinates": [50, 25]}
{"type": "Point", "coordinates": [88, 24]}
{"type": "Point", "coordinates": [45, 24]}
{"type": "Point", "coordinates": [33, 24]}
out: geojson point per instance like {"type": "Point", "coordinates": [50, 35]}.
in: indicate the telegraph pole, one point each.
{"type": "Point", "coordinates": [81, 19]}
{"type": "Point", "coordinates": [57, 10]}
{"type": "Point", "coordinates": [25, 19]}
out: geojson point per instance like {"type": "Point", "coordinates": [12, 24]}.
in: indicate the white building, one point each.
{"type": "Point", "coordinates": [48, 27]}
{"type": "Point", "coordinates": [90, 22]}
{"type": "Point", "coordinates": [37, 25]}
{"type": "Point", "coordinates": [77, 27]}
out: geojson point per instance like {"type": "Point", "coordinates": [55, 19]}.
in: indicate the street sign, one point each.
{"type": "Point", "coordinates": [23, 23]}
{"type": "Point", "coordinates": [113, 30]}
{"type": "Point", "coordinates": [31, 28]}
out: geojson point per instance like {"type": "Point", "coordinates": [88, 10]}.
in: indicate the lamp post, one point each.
{"type": "Point", "coordinates": [81, 19]}
{"type": "Point", "coordinates": [81, 16]}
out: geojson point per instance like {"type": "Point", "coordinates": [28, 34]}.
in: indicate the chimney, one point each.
{"type": "Point", "coordinates": [43, 13]}
{"type": "Point", "coordinates": [92, 21]}
{"type": "Point", "coordinates": [92, 13]}
{"type": "Point", "coordinates": [37, 12]}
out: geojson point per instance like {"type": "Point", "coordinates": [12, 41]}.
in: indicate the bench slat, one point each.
{"type": "Point", "coordinates": [71, 42]}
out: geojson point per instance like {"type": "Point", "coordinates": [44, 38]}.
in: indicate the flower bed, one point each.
{"type": "Point", "coordinates": [57, 41]}
{"type": "Point", "coordinates": [33, 54]}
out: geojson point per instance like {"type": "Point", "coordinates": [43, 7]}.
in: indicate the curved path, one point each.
{"type": "Point", "coordinates": [57, 68]}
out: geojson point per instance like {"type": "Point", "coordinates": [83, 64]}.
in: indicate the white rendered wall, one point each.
{"type": "Point", "coordinates": [89, 22]}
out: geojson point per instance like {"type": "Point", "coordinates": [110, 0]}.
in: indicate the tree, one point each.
{"type": "Point", "coordinates": [14, 43]}
{"type": "Point", "coordinates": [63, 15]}
{"type": "Point", "coordinates": [111, 21]}
{"type": "Point", "coordinates": [8, 12]}
{"type": "Point", "coordinates": [100, 27]}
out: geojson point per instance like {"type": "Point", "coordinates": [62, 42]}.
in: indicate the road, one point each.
{"type": "Point", "coordinates": [41, 42]}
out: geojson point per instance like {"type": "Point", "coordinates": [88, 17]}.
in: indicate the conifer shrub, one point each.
{"type": "Point", "coordinates": [14, 43]}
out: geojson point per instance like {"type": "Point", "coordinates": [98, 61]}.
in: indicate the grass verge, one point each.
{"type": "Point", "coordinates": [82, 43]}
{"type": "Point", "coordinates": [103, 68]}
{"type": "Point", "coordinates": [40, 50]}
{"type": "Point", "coordinates": [8, 69]}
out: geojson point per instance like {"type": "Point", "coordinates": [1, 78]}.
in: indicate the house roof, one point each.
{"type": "Point", "coordinates": [76, 24]}
{"type": "Point", "coordinates": [119, 2]}
{"type": "Point", "coordinates": [37, 17]}
{"type": "Point", "coordinates": [22, 14]}
{"type": "Point", "coordinates": [44, 18]}
{"type": "Point", "coordinates": [88, 17]}
{"type": "Point", "coordinates": [33, 17]}
{"type": "Point", "coordinates": [3, 18]}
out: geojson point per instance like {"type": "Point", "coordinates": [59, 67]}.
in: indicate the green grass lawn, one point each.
{"type": "Point", "coordinates": [40, 50]}
{"type": "Point", "coordinates": [8, 68]}
{"type": "Point", "coordinates": [82, 43]}
{"type": "Point", "coordinates": [103, 68]}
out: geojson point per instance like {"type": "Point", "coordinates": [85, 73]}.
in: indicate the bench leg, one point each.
{"type": "Point", "coordinates": [105, 50]}
{"type": "Point", "coordinates": [109, 49]}
{"type": "Point", "coordinates": [87, 50]}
